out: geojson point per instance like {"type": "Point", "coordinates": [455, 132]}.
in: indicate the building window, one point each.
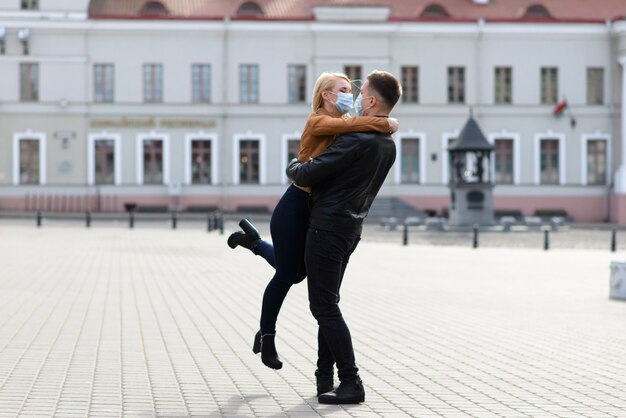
{"type": "Point", "coordinates": [152, 161]}
{"type": "Point", "coordinates": [103, 83]}
{"type": "Point", "coordinates": [354, 72]}
{"type": "Point", "coordinates": [537, 11]}
{"type": "Point", "coordinates": [153, 83]}
{"type": "Point", "coordinates": [29, 161]}
{"type": "Point", "coordinates": [29, 82]}
{"type": "Point", "coordinates": [549, 85]}
{"type": "Point", "coordinates": [201, 161]}
{"type": "Point", "coordinates": [434, 10]}
{"type": "Point", "coordinates": [456, 84]}
{"type": "Point", "coordinates": [597, 162]}
{"type": "Point", "coordinates": [595, 86]}
{"type": "Point", "coordinates": [249, 162]}
{"type": "Point", "coordinates": [250, 9]}
{"type": "Point", "coordinates": [504, 161]}
{"type": "Point", "coordinates": [410, 160]}
{"type": "Point", "coordinates": [105, 161]}
{"type": "Point", "coordinates": [154, 8]}
{"type": "Point", "coordinates": [30, 4]}
{"type": "Point", "coordinates": [297, 83]}
{"type": "Point", "coordinates": [293, 149]}
{"type": "Point", "coordinates": [549, 161]}
{"type": "Point", "coordinates": [201, 83]}
{"type": "Point", "coordinates": [503, 85]}
{"type": "Point", "coordinates": [249, 83]}
{"type": "Point", "coordinates": [410, 79]}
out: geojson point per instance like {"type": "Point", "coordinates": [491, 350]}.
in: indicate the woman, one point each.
{"type": "Point", "coordinates": [332, 99]}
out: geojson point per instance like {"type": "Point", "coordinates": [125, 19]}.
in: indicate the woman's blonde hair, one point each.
{"type": "Point", "coordinates": [325, 82]}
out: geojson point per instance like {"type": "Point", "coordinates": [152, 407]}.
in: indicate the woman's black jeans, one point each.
{"type": "Point", "coordinates": [288, 227]}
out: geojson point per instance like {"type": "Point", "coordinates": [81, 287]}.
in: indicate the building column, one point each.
{"type": "Point", "coordinates": [620, 174]}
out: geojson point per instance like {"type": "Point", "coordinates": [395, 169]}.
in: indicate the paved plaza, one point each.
{"type": "Point", "coordinates": [110, 322]}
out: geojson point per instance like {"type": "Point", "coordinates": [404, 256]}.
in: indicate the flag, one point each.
{"type": "Point", "coordinates": [560, 108]}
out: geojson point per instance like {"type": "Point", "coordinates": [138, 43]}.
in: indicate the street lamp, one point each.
{"type": "Point", "coordinates": [24, 35]}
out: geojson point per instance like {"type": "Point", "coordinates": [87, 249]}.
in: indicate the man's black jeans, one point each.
{"type": "Point", "coordinates": [326, 257]}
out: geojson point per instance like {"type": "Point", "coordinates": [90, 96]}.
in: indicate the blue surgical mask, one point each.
{"type": "Point", "coordinates": [358, 105]}
{"type": "Point", "coordinates": [344, 102]}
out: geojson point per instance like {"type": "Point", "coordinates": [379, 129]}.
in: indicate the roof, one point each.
{"type": "Point", "coordinates": [471, 138]}
{"type": "Point", "coordinates": [400, 10]}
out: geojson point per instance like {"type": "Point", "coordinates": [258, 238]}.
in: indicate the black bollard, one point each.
{"type": "Point", "coordinates": [209, 223]}
{"type": "Point", "coordinates": [475, 240]}
{"type": "Point", "coordinates": [216, 220]}
{"type": "Point", "coordinates": [88, 219]}
{"type": "Point", "coordinates": [38, 219]}
{"type": "Point", "coordinates": [131, 220]}
{"type": "Point", "coordinates": [546, 239]}
{"type": "Point", "coordinates": [221, 224]}
{"type": "Point", "coordinates": [174, 220]}
{"type": "Point", "coordinates": [614, 240]}
{"type": "Point", "coordinates": [405, 235]}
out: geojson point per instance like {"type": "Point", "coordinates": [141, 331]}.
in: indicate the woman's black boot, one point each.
{"type": "Point", "coordinates": [247, 239]}
{"type": "Point", "coordinates": [256, 345]}
{"type": "Point", "coordinates": [269, 356]}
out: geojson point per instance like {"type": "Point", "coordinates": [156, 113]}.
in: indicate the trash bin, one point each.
{"type": "Point", "coordinates": [618, 281]}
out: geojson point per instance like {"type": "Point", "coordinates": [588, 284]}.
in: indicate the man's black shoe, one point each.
{"type": "Point", "coordinates": [348, 392]}
{"type": "Point", "coordinates": [324, 384]}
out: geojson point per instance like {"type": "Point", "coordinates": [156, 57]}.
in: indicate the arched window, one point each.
{"type": "Point", "coordinates": [250, 8]}
{"type": "Point", "coordinates": [434, 10]}
{"type": "Point", "coordinates": [537, 11]}
{"type": "Point", "coordinates": [154, 8]}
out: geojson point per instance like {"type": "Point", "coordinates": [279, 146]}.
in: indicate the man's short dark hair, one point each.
{"type": "Point", "coordinates": [386, 85]}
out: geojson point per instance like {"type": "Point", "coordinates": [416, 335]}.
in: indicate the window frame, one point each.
{"type": "Point", "coordinates": [29, 135]}
{"type": "Point", "coordinates": [517, 160]}
{"type": "Point", "coordinates": [154, 66]}
{"type": "Point", "coordinates": [296, 85]}
{"type": "Point", "coordinates": [547, 102]}
{"type": "Point", "coordinates": [560, 137]}
{"type": "Point", "coordinates": [201, 136]}
{"type": "Point", "coordinates": [397, 167]}
{"type": "Point", "coordinates": [405, 97]}
{"type": "Point", "coordinates": [91, 156]}
{"type": "Point", "coordinates": [34, 98]}
{"type": "Point", "coordinates": [255, 87]}
{"type": "Point", "coordinates": [284, 149]}
{"type": "Point", "coordinates": [95, 82]}
{"type": "Point", "coordinates": [200, 99]}
{"type": "Point", "coordinates": [497, 81]}
{"type": "Point", "coordinates": [459, 91]}
{"type": "Point", "coordinates": [141, 137]}
{"type": "Point", "coordinates": [445, 163]}
{"type": "Point", "coordinates": [237, 138]}
{"type": "Point", "coordinates": [584, 139]}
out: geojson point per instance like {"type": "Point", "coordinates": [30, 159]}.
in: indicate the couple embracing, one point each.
{"type": "Point", "coordinates": [317, 223]}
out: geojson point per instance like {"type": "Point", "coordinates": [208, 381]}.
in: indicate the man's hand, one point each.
{"type": "Point", "coordinates": [291, 168]}
{"type": "Point", "coordinates": [393, 125]}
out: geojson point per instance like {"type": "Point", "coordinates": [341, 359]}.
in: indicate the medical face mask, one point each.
{"type": "Point", "coordinates": [344, 102]}
{"type": "Point", "coordinates": [358, 105]}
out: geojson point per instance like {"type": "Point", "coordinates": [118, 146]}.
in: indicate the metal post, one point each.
{"type": "Point", "coordinates": [174, 220]}
{"type": "Point", "coordinates": [88, 219]}
{"type": "Point", "coordinates": [475, 240]}
{"type": "Point", "coordinates": [131, 219]}
{"type": "Point", "coordinates": [209, 223]}
{"type": "Point", "coordinates": [38, 219]}
{"type": "Point", "coordinates": [405, 235]}
{"type": "Point", "coordinates": [546, 239]}
{"type": "Point", "coordinates": [221, 224]}
{"type": "Point", "coordinates": [215, 221]}
{"type": "Point", "coordinates": [613, 240]}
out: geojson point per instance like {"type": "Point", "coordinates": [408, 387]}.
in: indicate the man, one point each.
{"type": "Point", "coordinates": [345, 180]}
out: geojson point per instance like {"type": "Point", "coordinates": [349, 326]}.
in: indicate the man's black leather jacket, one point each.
{"type": "Point", "coordinates": [345, 179]}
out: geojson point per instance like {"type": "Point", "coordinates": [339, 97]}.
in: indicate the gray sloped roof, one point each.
{"type": "Point", "coordinates": [471, 138]}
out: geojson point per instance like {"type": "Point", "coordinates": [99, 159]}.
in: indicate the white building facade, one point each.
{"type": "Point", "coordinates": [195, 114]}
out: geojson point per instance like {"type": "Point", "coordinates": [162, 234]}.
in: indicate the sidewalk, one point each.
{"type": "Point", "coordinates": [153, 322]}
